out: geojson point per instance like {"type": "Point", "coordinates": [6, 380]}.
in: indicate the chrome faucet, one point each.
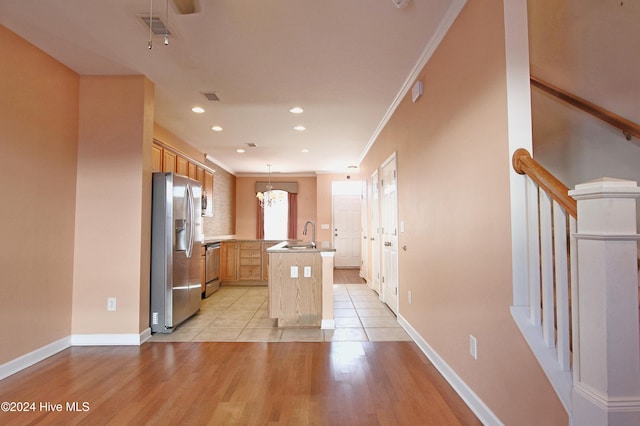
{"type": "Point", "coordinates": [313, 232]}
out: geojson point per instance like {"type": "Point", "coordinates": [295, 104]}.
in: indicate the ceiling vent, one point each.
{"type": "Point", "coordinates": [157, 26]}
{"type": "Point", "coordinates": [251, 144]}
{"type": "Point", "coordinates": [211, 96]}
{"type": "Point", "coordinates": [400, 4]}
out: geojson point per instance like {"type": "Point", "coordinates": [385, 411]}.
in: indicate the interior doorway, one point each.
{"type": "Point", "coordinates": [347, 228]}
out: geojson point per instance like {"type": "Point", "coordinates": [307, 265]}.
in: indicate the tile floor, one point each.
{"type": "Point", "coordinates": [240, 314]}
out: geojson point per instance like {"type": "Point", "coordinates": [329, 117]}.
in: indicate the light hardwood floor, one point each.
{"type": "Point", "coordinates": [323, 383]}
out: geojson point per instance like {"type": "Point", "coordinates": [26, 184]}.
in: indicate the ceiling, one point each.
{"type": "Point", "coordinates": [344, 62]}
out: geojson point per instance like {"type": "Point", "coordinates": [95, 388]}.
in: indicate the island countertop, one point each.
{"type": "Point", "coordinates": [297, 247]}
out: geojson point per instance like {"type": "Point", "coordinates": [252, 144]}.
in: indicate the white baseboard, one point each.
{"type": "Point", "coordinates": [34, 357]}
{"type": "Point", "coordinates": [110, 339]}
{"type": "Point", "coordinates": [479, 408]}
{"type": "Point", "coordinates": [328, 324]}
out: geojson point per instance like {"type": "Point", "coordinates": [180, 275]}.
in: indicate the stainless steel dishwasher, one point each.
{"type": "Point", "coordinates": [212, 268]}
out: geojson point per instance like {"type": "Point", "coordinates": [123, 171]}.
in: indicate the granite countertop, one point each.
{"type": "Point", "coordinates": [297, 247]}
{"type": "Point", "coordinates": [211, 240]}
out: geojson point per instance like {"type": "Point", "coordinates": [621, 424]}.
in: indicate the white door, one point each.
{"type": "Point", "coordinates": [389, 219]}
{"type": "Point", "coordinates": [375, 235]}
{"type": "Point", "coordinates": [346, 230]}
{"type": "Point", "coordinates": [364, 235]}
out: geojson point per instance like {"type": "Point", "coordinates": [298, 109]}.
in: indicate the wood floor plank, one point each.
{"type": "Point", "coordinates": [347, 276]}
{"type": "Point", "coordinates": [314, 383]}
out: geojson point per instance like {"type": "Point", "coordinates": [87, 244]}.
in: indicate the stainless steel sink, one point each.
{"type": "Point", "coordinates": [299, 246]}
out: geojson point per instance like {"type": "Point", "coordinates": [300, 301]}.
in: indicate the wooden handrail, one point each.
{"type": "Point", "coordinates": [629, 128]}
{"type": "Point", "coordinates": [523, 164]}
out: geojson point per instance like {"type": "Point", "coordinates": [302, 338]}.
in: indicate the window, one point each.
{"type": "Point", "coordinates": [276, 221]}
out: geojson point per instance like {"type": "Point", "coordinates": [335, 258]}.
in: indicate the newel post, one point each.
{"type": "Point", "coordinates": [606, 338]}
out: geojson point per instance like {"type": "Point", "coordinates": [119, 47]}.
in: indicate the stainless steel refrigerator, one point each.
{"type": "Point", "coordinates": [176, 239]}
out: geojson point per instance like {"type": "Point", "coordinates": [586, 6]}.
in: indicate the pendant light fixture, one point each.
{"type": "Point", "coordinates": [268, 198]}
{"type": "Point", "coordinates": [166, 27]}
{"type": "Point", "coordinates": [150, 43]}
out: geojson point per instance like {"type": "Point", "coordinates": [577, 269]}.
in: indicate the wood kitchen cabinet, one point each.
{"type": "Point", "coordinates": [228, 261]}
{"type": "Point", "coordinates": [168, 161]}
{"type": "Point", "coordinates": [182, 166]}
{"type": "Point", "coordinates": [156, 158]}
{"type": "Point", "coordinates": [245, 262]}
{"type": "Point", "coordinates": [250, 261]}
{"type": "Point", "coordinates": [193, 171]}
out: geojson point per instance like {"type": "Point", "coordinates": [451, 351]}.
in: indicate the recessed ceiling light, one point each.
{"type": "Point", "coordinates": [197, 110]}
{"type": "Point", "coordinates": [239, 150]}
{"type": "Point", "coordinates": [216, 128]}
{"type": "Point", "coordinates": [300, 128]}
{"type": "Point", "coordinates": [296, 110]}
{"type": "Point", "coordinates": [305, 150]}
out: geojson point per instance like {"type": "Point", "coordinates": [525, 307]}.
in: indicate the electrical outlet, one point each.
{"type": "Point", "coordinates": [294, 272]}
{"type": "Point", "coordinates": [111, 304]}
{"type": "Point", "coordinates": [409, 296]}
{"type": "Point", "coordinates": [307, 271]}
{"type": "Point", "coordinates": [473, 347]}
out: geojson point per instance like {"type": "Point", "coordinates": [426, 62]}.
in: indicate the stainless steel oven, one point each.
{"type": "Point", "coordinates": [212, 268]}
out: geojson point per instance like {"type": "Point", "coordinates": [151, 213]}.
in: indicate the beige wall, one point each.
{"type": "Point", "coordinates": [453, 188]}
{"type": "Point", "coordinates": [113, 215]}
{"type": "Point", "coordinates": [37, 189]}
{"type": "Point", "coordinates": [246, 218]}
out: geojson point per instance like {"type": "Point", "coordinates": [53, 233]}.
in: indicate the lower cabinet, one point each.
{"type": "Point", "coordinates": [228, 261]}
{"type": "Point", "coordinates": [250, 261]}
{"type": "Point", "coordinates": [245, 261]}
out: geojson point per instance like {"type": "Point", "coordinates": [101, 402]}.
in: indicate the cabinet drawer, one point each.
{"type": "Point", "coordinates": [250, 272]}
{"type": "Point", "coordinates": [249, 261]}
{"type": "Point", "coordinates": [249, 253]}
{"type": "Point", "coordinates": [250, 245]}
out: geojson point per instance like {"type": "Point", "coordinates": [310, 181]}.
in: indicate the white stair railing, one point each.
{"type": "Point", "coordinates": [581, 315]}
{"type": "Point", "coordinates": [545, 321]}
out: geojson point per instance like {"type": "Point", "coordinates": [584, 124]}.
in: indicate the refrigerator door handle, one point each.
{"type": "Point", "coordinates": [190, 216]}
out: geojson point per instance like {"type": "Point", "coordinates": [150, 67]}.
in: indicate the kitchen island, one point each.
{"type": "Point", "coordinates": [301, 285]}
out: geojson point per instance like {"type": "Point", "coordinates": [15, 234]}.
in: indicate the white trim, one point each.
{"type": "Point", "coordinates": [605, 402]}
{"type": "Point", "coordinates": [432, 45]}
{"type": "Point", "coordinates": [328, 324]}
{"type": "Point", "coordinates": [110, 339]}
{"type": "Point", "coordinates": [606, 237]}
{"type": "Point", "coordinates": [479, 408]}
{"type": "Point", "coordinates": [210, 158]}
{"type": "Point", "coordinates": [34, 357]}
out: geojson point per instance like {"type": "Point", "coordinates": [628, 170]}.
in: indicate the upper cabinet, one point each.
{"type": "Point", "coordinates": [167, 160]}
{"type": "Point", "coordinates": [156, 158]}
